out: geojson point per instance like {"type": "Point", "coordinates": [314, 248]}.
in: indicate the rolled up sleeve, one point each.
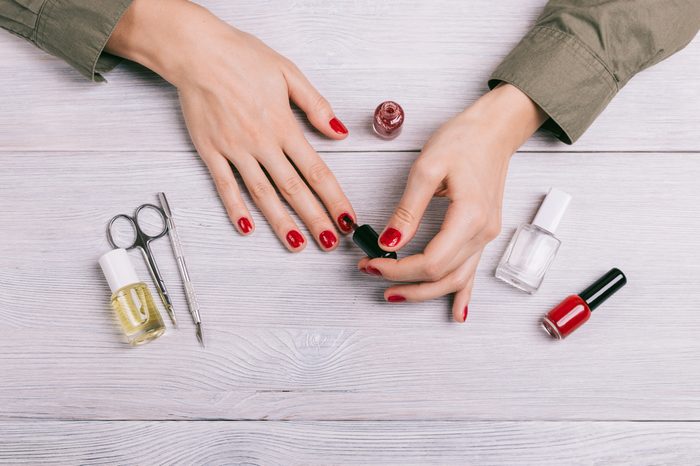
{"type": "Point", "coordinates": [582, 52]}
{"type": "Point", "coordinates": [76, 31]}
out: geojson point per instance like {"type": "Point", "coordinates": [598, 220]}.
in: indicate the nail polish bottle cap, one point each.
{"type": "Point", "coordinates": [603, 288]}
{"type": "Point", "coordinates": [368, 240]}
{"type": "Point", "coordinates": [552, 210]}
{"type": "Point", "coordinates": [118, 269]}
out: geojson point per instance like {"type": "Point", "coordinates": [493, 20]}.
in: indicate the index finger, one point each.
{"type": "Point", "coordinates": [456, 241]}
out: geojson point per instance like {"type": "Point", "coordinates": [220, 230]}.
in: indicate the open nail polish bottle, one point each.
{"type": "Point", "coordinates": [534, 246]}
{"type": "Point", "coordinates": [388, 119]}
{"type": "Point", "coordinates": [368, 240]}
{"type": "Point", "coordinates": [575, 310]}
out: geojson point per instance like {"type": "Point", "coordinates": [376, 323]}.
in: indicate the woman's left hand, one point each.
{"type": "Point", "coordinates": [466, 160]}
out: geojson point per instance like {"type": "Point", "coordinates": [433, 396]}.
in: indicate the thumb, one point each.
{"type": "Point", "coordinates": [402, 226]}
{"type": "Point", "coordinates": [316, 107]}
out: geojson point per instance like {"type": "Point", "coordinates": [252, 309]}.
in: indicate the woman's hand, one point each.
{"type": "Point", "coordinates": [234, 92]}
{"type": "Point", "coordinates": [466, 161]}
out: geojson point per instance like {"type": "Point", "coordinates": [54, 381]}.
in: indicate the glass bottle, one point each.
{"type": "Point", "coordinates": [131, 299]}
{"type": "Point", "coordinates": [388, 120]}
{"type": "Point", "coordinates": [534, 246]}
{"type": "Point", "coordinates": [575, 310]}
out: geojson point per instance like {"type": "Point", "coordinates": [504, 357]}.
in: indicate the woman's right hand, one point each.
{"type": "Point", "coordinates": [235, 93]}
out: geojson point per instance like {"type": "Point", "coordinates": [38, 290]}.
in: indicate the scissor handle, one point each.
{"type": "Point", "coordinates": [140, 230]}
{"type": "Point", "coordinates": [110, 238]}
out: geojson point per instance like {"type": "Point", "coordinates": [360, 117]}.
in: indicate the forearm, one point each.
{"type": "Point", "coordinates": [581, 52]}
{"type": "Point", "coordinates": [73, 30]}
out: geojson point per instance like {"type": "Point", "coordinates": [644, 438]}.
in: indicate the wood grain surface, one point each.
{"type": "Point", "coordinates": [305, 363]}
{"type": "Point", "coordinates": [399, 443]}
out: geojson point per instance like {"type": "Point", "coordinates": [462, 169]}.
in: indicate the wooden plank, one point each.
{"type": "Point", "coordinates": [284, 443]}
{"type": "Point", "coordinates": [307, 337]}
{"type": "Point", "coordinates": [433, 58]}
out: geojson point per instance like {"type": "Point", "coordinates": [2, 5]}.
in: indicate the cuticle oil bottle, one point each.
{"type": "Point", "coordinates": [131, 299]}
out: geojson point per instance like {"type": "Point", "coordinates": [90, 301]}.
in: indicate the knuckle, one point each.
{"type": "Point", "coordinates": [460, 280]}
{"type": "Point", "coordinates": [319, 173]}
{"type": "Point", "coordinates": [425, 169]}
{"type": "Point", "coordinates": [433, 270]}
{"type": "Point", "coordinates": [404, 215]}
{"type": "Point", "coordinates": [292, 185]}
{"type": "Point", "coordinates": [260, 190]}
{"type": "Point", "coordinates": [224, 184]}
{"type": "Point", "coordinates": [492, 230]}
{"type": "Point", "coordinates": [479, 219]}
{"type": "Point", "coordinates": [320, 104]}
{"type": "Point", "coordinates": [317, 222]}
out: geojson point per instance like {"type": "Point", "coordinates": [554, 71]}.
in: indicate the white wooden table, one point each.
{"type": "Point", "coordinates": [305, 363]}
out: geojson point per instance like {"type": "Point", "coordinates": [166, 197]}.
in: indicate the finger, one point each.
{"type": "Point", "coordinates": [265, 197]}
{"type": "Point", "coordinates": [454, 282]}
{"type": "Point", "coordinates": [230, 194]}
{"type": "Point", "coordinates": [457, 240]}
{"type": "Point", "coordinates": [321, 180]}
{"type": "Point", "coordinates": [422, 182]}
{"type": "Point", "coordinates": [316, 107]}
{"type": "Point", "coordinates": [302, 200]}
{"type": "Point", "coordinates": [460, 302]}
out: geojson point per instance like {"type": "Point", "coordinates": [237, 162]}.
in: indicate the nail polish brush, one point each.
{"type": "Point", "coordinates": [368, 240]}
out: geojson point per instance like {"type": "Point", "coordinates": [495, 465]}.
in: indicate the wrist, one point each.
{"type": "Point", "coordinates": [157, 34]}
{"type": "Point", "coordinates": [506, 116]}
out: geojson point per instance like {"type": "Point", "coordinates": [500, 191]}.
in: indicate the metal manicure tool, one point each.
{"type": "Point", "coordinates": [192, 302]}
{"type": "Point", "coordinates": [142, 241]}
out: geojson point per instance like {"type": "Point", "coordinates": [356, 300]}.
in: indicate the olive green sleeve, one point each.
{"type": "Point", "coordinates": [74, 30]}
{"type": "Point", "coordinates": [581, 52]}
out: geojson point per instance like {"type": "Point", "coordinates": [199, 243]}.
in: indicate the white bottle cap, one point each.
{"type": "Point", "coordinates": [552, 210]}
{"type": "Point", "coordinates": [118, 269]}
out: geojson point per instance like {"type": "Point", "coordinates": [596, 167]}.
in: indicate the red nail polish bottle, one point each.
{"type": "Point", "coordinates": [388, 119]}
{"type": "Point", "coordinates": [575, 310]}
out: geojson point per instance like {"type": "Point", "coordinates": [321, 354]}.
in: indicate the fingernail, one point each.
{"type": "Point", "coordinates": [373, 271]}
{"type": "Point", "coordinates": [363, 270]}
{"type": "Point", "coordinates": [338, 126]}
{"type": "Point", "coordinates": [328, 239]}
{"type": "Point", "coordinates": [345, 222]}
{"type": "Point", "coordinates": [396, 298]}
{"type": "Point", "coordinates": [464, 313]}
{"type": "Point", "coordinates": [390, 237]}
{"type": "Point", "coordinates": [295, 239]}
{"type": "Point", "coordinates": [245, 225]}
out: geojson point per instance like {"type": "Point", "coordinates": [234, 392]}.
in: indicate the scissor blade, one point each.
{"type": "Point", "coordinates": [199, 334]}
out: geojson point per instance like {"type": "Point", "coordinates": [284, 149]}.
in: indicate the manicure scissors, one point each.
{"type": "Point", "coordinates": [142, 241]}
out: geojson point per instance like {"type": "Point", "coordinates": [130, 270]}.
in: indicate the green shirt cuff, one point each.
{"type": "Point", "coordinates": [78, 30]}
{"type": "Point", "coordinates": [561, 75]}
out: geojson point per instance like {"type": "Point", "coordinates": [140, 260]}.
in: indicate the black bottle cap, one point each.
{"type": "Point", "coordinates": [368, 240]}
{"type": "Point", "coordinates": [603, 288]}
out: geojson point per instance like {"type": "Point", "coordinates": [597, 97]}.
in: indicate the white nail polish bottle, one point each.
{"type": "Point", "coordinates": [534, 246]}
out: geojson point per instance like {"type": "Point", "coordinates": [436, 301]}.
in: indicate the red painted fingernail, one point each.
{"type": "Point", "coordinates": [345, 222]}
{"type": "Point", "coordinates": [363, 270]}
{"type": "Point", "coordinates": [373, 271]}
{"type": "Point", "coordinates": [245, 225]}
{"type": "Point", "coordinates": [295, 239]}
{"type": "Point", "coordinates": [328, 239]}
{"type": "Point", "coordinates": [338, 126]}
{"type": "Point", "coordinates": [464, 313]}
{"type": "Point", "coordinates": [390, 237]}
{"type": "Point", "coordinates": [396, 298]}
